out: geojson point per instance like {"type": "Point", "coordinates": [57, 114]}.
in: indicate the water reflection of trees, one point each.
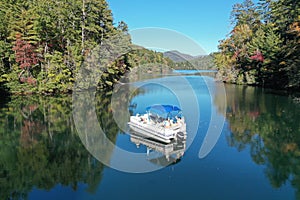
{"type": "Point", "coordinates": [269, 125]}
{"type": "Point", "coordinates": [41, 149]}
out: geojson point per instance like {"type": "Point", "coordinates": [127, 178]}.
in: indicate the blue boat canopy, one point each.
{"type": "Point", "coordinates": [163, 108]}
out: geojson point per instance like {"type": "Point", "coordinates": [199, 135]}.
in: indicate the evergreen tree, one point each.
{"type": "Point", "coordinates": [263, 47]}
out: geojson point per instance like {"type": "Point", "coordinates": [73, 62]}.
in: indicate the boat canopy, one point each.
{"type": "Point", "coordinates": [163, 108]}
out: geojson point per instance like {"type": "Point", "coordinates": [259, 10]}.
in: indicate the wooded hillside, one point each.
{"type": "Point", "coordinates": [43, 44]}
{"type": "Point", "coordinates": [263, 47]}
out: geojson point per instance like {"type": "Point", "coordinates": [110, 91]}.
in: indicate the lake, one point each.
{"type": "Point", "coordinates": [242, 144]}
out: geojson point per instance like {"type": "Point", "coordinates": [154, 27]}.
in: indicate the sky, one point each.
{"type": "Point", "coordinates": [203, 22]}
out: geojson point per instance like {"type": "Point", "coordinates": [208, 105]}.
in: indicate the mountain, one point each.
{"type": "Point", "coordinates": [185, 61]}
{"type": "Point", "coordinates": [203, 62]}
{"type": "Point", "coordinates": [177, 56]}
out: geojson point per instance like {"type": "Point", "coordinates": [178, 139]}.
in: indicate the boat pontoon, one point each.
{"type": "Point", "coordinates": [161, 122]}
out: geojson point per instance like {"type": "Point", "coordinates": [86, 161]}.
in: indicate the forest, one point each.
{"type": "Point", "coordinates": [263, 47]}
{"type": "Point", "coordinates": [204, 62]}
{"type": "Point", "coordinates": [43, 44]}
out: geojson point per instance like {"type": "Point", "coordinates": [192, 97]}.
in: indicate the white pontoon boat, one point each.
{"type": "Point", "coordinates": [161, 122]}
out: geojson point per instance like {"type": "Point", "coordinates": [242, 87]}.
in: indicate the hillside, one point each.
{"type": "Point", "coordinates": [185, 61]}
{"type": "Point", "coordinates": [177, 56]}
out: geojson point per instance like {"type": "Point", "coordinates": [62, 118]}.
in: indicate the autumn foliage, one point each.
{"type": "Point", "coordinates": [263, 47]}
{"type": "Point", "coordinates": [25, 53]}
{"type": "Point", "coordinates": [258, 56]}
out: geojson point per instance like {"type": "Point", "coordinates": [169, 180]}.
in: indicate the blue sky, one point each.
{"type": "Point", "coordinates": [205, 22]}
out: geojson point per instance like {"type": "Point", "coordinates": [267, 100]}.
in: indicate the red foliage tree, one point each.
{"type": "Point", "coordinates": [25, 53]}
{"type": "Point", "coordinates": [26, 56]}
{"type": "Point", "coordinates": [258, 56]}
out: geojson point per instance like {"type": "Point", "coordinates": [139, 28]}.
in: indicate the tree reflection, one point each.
{"type": "Point", "coordinates": [41, 149]}
{"type": "Point", "coordinates": [269, 125]}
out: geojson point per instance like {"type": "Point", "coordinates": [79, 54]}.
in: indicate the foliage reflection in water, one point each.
{"type": "Point", "coordinates": [259, 149]}
{"type": "Point", "coordinates": [268, 125]}
{"type": "Point", "coordinates": [41, 149]}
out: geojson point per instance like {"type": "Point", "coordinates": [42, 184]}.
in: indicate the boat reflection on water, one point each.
{"type": "Point", "coordinates": [160, 153]}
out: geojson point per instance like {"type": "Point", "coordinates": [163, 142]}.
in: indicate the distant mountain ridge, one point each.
{"type": "Point", "coordinates": [186, 61]}
{"type": "Point", "coordinates": [177, 56]}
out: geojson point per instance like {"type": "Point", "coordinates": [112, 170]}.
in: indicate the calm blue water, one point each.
{"type": "Point", "coordinates": [256, 156]}
{"type": "Point", "coordinates": [194, 71]}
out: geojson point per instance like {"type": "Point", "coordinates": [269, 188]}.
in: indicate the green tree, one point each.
{"type": "Point", "coordinates": [268, 43]}
{"type": "Point", "coordinates": [262, 49]}
{"type": "Point", "coordinates": [245, 13]}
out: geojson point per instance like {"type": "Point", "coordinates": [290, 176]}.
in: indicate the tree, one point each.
{"type": "Point", "coordinates": [266, 45]}
{"type": "Point", "coordinates": [26, 56]}
{"type": "Point", "coordinates": [245, 13]}
{"type": "Point", "coordinates": [5, 45]}
{"type": "Point", "coordinates": [263, 47]}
